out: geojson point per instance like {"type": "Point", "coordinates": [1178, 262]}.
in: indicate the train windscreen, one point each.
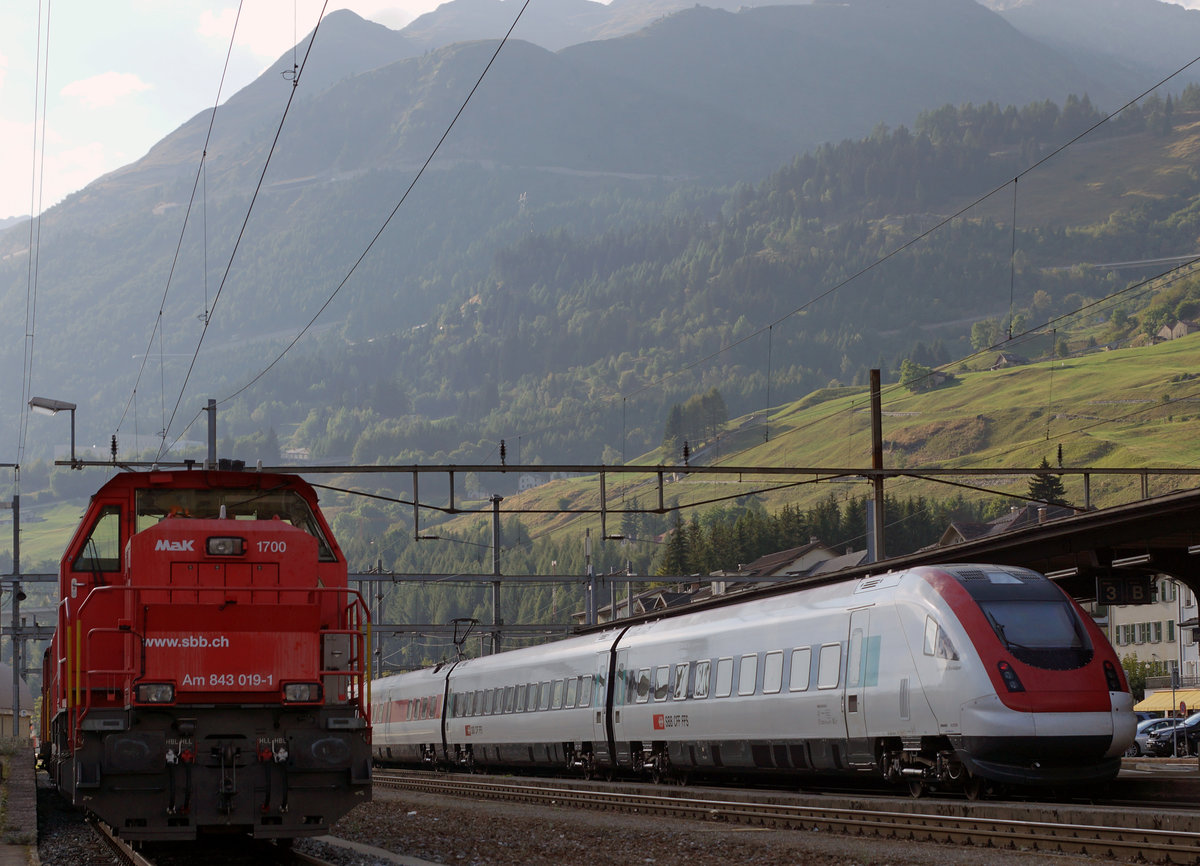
{"type": "Point", "coordinates": [1045, 634]}
{"type": "Point", "coordinates": [238, 503]}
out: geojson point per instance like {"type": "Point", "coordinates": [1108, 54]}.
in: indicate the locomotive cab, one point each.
{"type": "Point", "coordinates": [1039, 691]}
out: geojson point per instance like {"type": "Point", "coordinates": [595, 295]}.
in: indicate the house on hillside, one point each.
{"type": "Point", "coordinates": [1018, 517]}
{"type": "Point", "coordinates": [1008, 359]}
{"type": "Point", "coordinates": [1175, 331]}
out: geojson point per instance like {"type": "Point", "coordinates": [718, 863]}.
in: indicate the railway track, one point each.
{"type": "Point", "coordinates": [256, 853]}
{"type": "Point", "coordinates": [1119, 833]}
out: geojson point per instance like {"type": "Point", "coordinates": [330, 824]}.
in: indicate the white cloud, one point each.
{"type": "Point", "coordinates": [106, 89]}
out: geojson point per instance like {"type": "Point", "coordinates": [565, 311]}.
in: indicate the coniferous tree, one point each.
{"type": "Point", "coordinates": [1046, 486]}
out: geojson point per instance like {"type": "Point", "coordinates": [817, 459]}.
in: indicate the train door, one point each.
{"type": "Point", "coordinates": [601, 718]}
{"type": "Point", "coordinates": [857, 678]}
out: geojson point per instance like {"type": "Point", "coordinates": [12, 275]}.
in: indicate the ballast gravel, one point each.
{"type": "Point", "coordinates": [450, 831]}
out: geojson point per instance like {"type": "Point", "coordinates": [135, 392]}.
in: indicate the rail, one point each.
{"type": "Point", "coordinates": [1044, 827]}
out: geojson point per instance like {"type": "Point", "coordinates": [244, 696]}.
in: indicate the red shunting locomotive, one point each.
{"type": "Point", "coordinates": [209, 671]}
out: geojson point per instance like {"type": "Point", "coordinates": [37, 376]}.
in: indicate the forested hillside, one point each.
{"type": "Point", "coordinates": [580, 343]}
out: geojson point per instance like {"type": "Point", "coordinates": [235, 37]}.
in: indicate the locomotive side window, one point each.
{"type": "Point", "coordinates": [801, 663]}
{"type": "Point", "coordinates": [700, 689]}
{"type": "Point", "coordinates": [724, 678]}
{"type": "Point", "coordinates": [585, 692]}
{"type": "Point", "coordinates": [531, 703]}
{"type": "Point", "coordinates": [102, 550]}
{"type": "Point", "coordinates": [747, 674]}
{"type": "Point", "coordinates": [937, 643]}
{"type": "Point", "coordinates": [572, 692]}
{"type": "Point", "coordinates": [681, 681]}
{"type": "Point", "coordinates": [829, 666]}
{"type": "Point", "coordinates": [509, 691]}
{"type": "Point", "coordinates": [772, 673]}
{"type": "Point", "coordinates": [544, 697]}
{"type": "Point", "coordinates": [557, 698]}
{"type": "Point", "coordinates": [521, 698]}
{"type": "Point", "coordinates": [662, 682]}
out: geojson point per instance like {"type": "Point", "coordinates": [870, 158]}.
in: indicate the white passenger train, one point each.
{"type": "Point", "coordinates": [955, 676]}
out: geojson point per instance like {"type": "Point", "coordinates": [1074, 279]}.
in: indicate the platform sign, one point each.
{"type": "Point", "coordinates": [1130, 589]}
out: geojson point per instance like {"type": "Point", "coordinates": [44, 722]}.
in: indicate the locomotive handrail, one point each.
{"type": "Point", "coordinates": [81, 678]}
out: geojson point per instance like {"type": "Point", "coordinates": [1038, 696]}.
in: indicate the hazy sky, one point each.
{"type": "Point", "coordinates": [123, 73]}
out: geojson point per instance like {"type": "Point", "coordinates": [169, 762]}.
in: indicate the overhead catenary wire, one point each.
{"type": "Point", "coordinates": [378, 234]}
{"type": "Point", "coordinates": [242, 230]}
{"type": "Point", "coordinates": [156, 328]}
{"type": "Point", "coordinates": [37, 174]}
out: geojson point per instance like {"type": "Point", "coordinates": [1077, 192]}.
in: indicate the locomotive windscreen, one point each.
{"type": "Point", "coordinates": [1031, 616]}
{"type": "Point", "coordinates": [239, 503]}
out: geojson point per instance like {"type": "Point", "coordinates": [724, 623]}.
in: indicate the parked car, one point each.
{"type": "Point", "coordinates": [1163, 741]}
{"type": "Point", "coordinates": [1145, 728]}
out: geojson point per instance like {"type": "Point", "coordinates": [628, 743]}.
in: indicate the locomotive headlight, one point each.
{"type": "Point", "coordinates": [302, 693]}
{"type": "Point", "coordinates": [225, 545]}
{"type": "Point", "coordinates": [155, 693]}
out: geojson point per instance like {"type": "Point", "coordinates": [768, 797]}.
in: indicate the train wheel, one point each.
{"type": "Point", "coordinates": [916, 788]}
{"type": "Point", "coordinates": [974, 788]}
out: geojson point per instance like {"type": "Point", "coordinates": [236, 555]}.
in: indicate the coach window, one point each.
{"type": "Point", "coordinates": [854, 659]}
{"type": "Point", "coordinates": [681, 681]}
{"type": "Point", "coordinates": [700, 689]}
{"type": "Point", "coordinates": [544, 697]}
{"type": "Point", "coordinates": [829, 666]}
{"type": "Point", "coordinates": [102, 550]}
{"type": "Point", "coordinates": [572, 692]}
{"type": "Point", "coordinates": [423, 713]}
{"type": "Point", "coordinates": [585, 691]}
{"type": "Point", "coordinates": [662, 682]}
{"type": "Point", "coordinates": [643, 686]}
{"type": "Point", "coordinates": [477, 704]}
{"type": "Point", "coordinates": [724, 678]}
{"type": "Point", "coordinates": [747, 674]}
{"type": "Point", "coordinates": [520, 701]}
{"type": "Point", "coordinates": [772, 673]}
{"type": "Point", "coordinates": [557, 699]}
{"type": "Point", "coordinates": [801, 662]}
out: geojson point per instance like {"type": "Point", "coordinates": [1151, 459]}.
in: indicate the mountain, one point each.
{"type": "Point", "coordinates": [1137, 40]}
{"type": "Point", "coordinates": [552, 25]}
{"type": "Point", "coordinates": [815, 73]}
{"type": "Point", "coordinates": [555, 152]}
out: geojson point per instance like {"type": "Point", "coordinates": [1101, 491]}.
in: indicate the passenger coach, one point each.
{"type": "Point", "coordinates": [959, 676]}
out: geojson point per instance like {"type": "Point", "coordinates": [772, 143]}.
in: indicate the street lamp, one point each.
{"type": "Point", "coordinates": [47, 406]}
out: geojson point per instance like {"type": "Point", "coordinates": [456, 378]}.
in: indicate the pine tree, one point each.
{"type": "Point", "coordinates": [1046, 486]}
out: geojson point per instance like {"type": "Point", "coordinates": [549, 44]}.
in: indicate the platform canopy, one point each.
{"type": "Point", "coordinates": [1165, 700]}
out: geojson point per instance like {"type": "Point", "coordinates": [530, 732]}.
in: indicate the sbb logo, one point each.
{"type": "Point", "coordinates": [660, 722]}
{"type": "Point", "coordinates": [175, 546]}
